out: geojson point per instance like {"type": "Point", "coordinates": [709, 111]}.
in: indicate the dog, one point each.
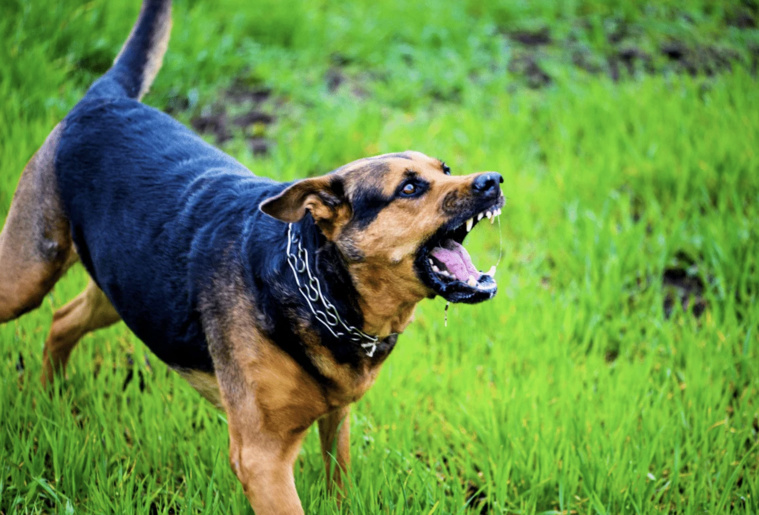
{"type": "Point", "coordinates": [279, 302]}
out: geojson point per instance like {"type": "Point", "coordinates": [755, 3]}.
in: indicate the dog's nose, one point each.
{"type": "Point", "coordinates": [487, 183]}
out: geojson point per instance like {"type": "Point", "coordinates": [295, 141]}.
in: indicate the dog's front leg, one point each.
{"type": "Point", "coordinates": [269, 398]}
{"type": "Point", "coordinates": [334, 433]}
{"type": "Point", "coordinates": [263, 461]}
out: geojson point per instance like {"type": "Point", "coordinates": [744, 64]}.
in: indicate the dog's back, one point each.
{"type": "Point", "coordinates": [145, 198]}
{"type": "Point", "coordinates": [136, 196]}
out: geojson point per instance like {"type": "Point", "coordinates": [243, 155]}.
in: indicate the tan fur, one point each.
{"type": "Point", "coordinates": [385, 278]}
{"type": "Point", "coordinates": [380, 257]}
{"type": "Point", "coordinates": [89, 311]}
{"type": "Point", "coordinates": [315, 196]}
{"type": "Point", "coordinates": [334, 435]}
{"type": "Point", "coordinates": [270, 401]}
{"type": "Point", "coordinates": [35, 245]}
{"type": "Point", "coordinates": [269, 418]}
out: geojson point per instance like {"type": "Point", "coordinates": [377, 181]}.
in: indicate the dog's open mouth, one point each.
{"type": "Point", "coordinates": [446, 267]}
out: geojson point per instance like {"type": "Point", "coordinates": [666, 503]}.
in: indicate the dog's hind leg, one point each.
{"type": "Point", "coordinates": [89, 311]}
{"type": "Point", "coordinates": [334, 434]}
{"type": "Point", "coordinates": [35, 244]}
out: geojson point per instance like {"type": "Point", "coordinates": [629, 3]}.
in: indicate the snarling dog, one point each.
{"type": "Point", "coordinates": [278, 301]}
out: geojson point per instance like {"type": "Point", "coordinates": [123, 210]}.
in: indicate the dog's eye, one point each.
{"type": "Point", "coordinates": [446, 169]}
{"type": "Point", "coordinates": [412, 187]}
{"type": "Point", "coordinates": [408, 189]}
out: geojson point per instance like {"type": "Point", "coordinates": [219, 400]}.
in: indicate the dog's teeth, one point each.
{"type": "Point", "coordinates": [498, 212]}
{"type": "Point", "coordinates": [488, 214]}
{"type": "Point", "coordinates": [479, 217]}
{"type": "Point", "coordinates": [435, 269]}
{"type": "Point", "coordinates": [469, 224]}
{"type": "Point", "coordinates": [491, 272]}
{"type": "Point", "coordinates": [472, 281]}
{"type": "Point", "coordinates": [445, 273]}
{"type": "Point", "coordinates": [431, 262]}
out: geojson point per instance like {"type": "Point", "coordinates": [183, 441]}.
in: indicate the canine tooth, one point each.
{"type": "Point", "coordinates": [435, 269]}
{"type": "Point", "coordinates": [431, 262]}
{"type": "Point", "coordinates": [488, 214]}
{"type": "Point", "coordinates": [491, 272]}
{"type": "Point", "coordinates": [472, 281]}
{"type": "Point", "coordinates": [469, 224]}
{"type": "Point", "coordinates": [479, 217]}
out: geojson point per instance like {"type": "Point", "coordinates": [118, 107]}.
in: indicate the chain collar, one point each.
{"type": "Point", "coordinates": [311, 290]}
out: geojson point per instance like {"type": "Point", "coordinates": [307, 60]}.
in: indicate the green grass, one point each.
{"type": "Point", "coordinates": [571, 391]}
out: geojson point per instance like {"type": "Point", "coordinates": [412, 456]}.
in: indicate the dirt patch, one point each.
{"type": "Point", "coordinates": [252, 117]}
{"type": "Point", "coordinates": [534, 38]}
{"type": "Point", "coordinates": [215, 124]}
{"type": "Point", "coordinates": [629, 60]}
{"type": "Point", "coordinates": [526, 61]}
{"type": "Point", "coordinates": [240, 110]}
{"type": "Point", "coordinates": [239, 93]}
{"type": "Point", "coordinates": [339, 76]}
{"type": "Point", "coordinates": [682, 284]}
{"type": "Point", "coordinates": [632, 49]}
{"type": "Point", "coordinates": [708, 60]}
{"type": "Point", "coordinates": [743, 17]}
{"type": "Point", "coordinates": [617, 31]}
{"type": "Point", "coordinates": [528, 67]}
{"type": "Point", "coordinates": [335, 78]}
{"type": "Point", "coordinates": [584, 59]}
{"type": "Point", "coordinates": [611, 353]}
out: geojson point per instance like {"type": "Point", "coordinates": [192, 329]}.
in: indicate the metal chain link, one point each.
{"type": "Point", "coordinates": [311, 290]}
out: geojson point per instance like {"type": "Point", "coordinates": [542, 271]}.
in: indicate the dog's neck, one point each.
{"type": "Point", "coordinates": [326, 287]}
{"type": "Point", "coordinates": [378, 306]}
{"type": "Point", "coordinates": [381, 310]}
{"type": "Point", "coordinates": [386, 303]}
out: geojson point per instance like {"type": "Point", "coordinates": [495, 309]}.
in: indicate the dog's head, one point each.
{"type": "Point", "coordinates": [399, 221]}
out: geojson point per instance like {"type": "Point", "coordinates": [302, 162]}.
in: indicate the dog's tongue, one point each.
{"type": "Point", "coordinates": [456, 259]}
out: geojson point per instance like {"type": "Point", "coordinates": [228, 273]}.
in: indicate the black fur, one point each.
{"type": "Point", "coordinates": [156, 214]}
{"type": "Point", "coordinates": [127, 76]}
{"type": "Point", "coordinates": [367, 204]}
{"type": "Point", "coordinates": [369, 200]}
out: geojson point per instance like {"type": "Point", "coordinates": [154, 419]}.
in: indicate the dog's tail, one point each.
{"type": "Point", "coordinates": [141, 56]}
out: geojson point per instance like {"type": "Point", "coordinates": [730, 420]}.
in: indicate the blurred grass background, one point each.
{"type": "Point", "coordinates": [616, 370]}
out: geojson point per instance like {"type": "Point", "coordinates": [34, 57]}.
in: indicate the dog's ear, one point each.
{"type": "Point", "coordinates": [323, 197]}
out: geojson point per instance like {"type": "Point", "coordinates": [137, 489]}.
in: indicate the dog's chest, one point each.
{"type": "Point", "coordinates": [347, 383]}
